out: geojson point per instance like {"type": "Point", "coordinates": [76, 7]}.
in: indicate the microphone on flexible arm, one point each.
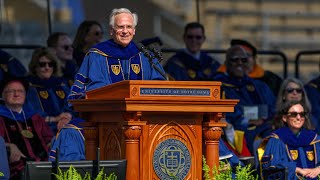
{"type": "Point", "coordinates": [157, 53]}
{"type": "Point", "coordinates": [146, 52]}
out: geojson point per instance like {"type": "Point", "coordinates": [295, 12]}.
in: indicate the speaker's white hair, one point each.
{"type": "Point", "coordinates": [119, 11]}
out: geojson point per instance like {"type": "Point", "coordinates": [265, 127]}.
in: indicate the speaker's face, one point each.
{"type": "Point", "coordinates": [123, 30]}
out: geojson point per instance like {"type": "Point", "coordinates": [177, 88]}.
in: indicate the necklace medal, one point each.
{"type": "Point", "coordinates": [26, 133]}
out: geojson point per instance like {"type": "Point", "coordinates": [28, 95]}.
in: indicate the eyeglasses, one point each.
{"type": "Point", "coordinates": [295, 114]}
{"type": "Point", "coordinates": [14, 91]}
{"type": "Point", "coordinates": [194, 37]}
{"type": "Point", "coordinates": [290, 90]}
{"type": "Point", "coordinates": [43, 64]}
{"type": "Point", "coordinates": [236, 59]}
{"type": "Point", "coordinates": [66, 47]}
{"type": "Point", "coordinates": [122, 28]}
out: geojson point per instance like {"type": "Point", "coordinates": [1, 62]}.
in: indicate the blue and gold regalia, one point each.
{"type": "Point", "coordinates": [285, 149]}
{"type": "Point", "coordinates": [228, 155]}
{"type": "Point", "coordinates": [183, 67]}
{"type": "Point", "coordinates": [69, 71]}
{"type": "Point", "coordinates": [70, 142]}
{"type": "Point", "coordinates": [250, 92]}
{"type": "Point", "coordinates": [313, 91]}
{"type": "Point", "coordinates": [10, 66]}
{"type": "Point", "coordinates": [47, 96]}
{"type": "Point", "coordinates": [108, 63]}
{"type": "Point", "coordinates": [4, 166]}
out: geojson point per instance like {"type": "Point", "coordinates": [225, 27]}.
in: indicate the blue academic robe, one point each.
{"type": "Point", "coordinates": [4, 165]}
{"type": "Point", "coordinates": [48, 96]}
{"type": "Point", "coordinates": [227, 154]}
{"type": "Point", "coordinates": [107, 63]}
{"type": "Point", "coordinates": [15, 67]}
{"type": "Point", "coordinates": [284, 149]}
{"type": "Point", "coordinates": [70, 142]}
{"type": "Point", "coordinates": [313, 92]}
{"type": "Point", "coordinates": [184, 67]}
{"type": "Point", "coordinates": [69, 71]}
{"type": "Point", "coordinates": [250, 92]}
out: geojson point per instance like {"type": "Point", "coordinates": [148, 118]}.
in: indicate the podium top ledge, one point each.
{"type": "Point", "coordinates": [160, 82]}
{"type": "Point", "coordinates": [142, 89]}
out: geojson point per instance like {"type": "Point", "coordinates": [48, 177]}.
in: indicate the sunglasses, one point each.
{"type": "Point", "coordinates": [98, 33]}
{"type": "Point", "coordinates": [43, 64]}
{"type": "Point", "coordinates": [237, 59]}
{"type": "Point", "coordinates": [194, 37]}
{"type": "Point", "coordinates": [290, 90]}
{"type": "Point", "coordinates": [295, 114]}
{"type": "Point", "coordinates": [66, 47]}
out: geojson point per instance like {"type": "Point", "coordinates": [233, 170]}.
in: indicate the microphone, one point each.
{"type": "Point", "coordinates": [146, 52]}
{"type": "Point", "coordinates": [156, 53]}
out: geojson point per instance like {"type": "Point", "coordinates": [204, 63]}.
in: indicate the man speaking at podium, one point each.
{"type": "Point", "coordinates": [116, 59]}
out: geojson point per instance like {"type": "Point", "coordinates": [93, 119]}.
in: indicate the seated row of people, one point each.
{"type": "Point", "coordinates": [242, 78]}
{"type": "Point", "coordinates": [70, 53]}
{"type": "Point", "coordinates": [46, 86]}
{"type": "Point", "coordinates": [41, 95]}
{"type": "Point", "coordinates": [193, 64]}
{"type": "Point", "coordinates": [27, 134]}
{"type": "Point", "coordinates": [252, 115]}
{"type": "Point", "coordinates": [297, 146]}
{"type": "Point", "coordinates": [48, 94]}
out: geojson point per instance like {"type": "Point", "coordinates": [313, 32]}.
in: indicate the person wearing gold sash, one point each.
{"type": "Point", "coordinates": [294, 145]}
{"type": "Point", "coordinates": [116, 59]}
{"type": "Point", "coordinates": [192, 64]}
{"type": "Point", "coordinates": [253, 114]}
{"type": "Point", "coordinates": [48, 91]}
{"type": "Point", "coordinates": [25, 132]}
{"type": "Point", "coordinates": [255, 70]}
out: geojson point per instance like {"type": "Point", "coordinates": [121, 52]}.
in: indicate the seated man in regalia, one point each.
{"type": "Point", "coordinates": [27, 135]}
{"type": "Point", "coordinates": [25, 132]}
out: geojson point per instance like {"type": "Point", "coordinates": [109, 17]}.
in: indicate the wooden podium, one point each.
{"type": "Point", "coordinates": [162, 128]}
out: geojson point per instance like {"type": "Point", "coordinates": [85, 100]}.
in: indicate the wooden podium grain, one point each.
{"type": "Point", "coordinates": [132, 119]}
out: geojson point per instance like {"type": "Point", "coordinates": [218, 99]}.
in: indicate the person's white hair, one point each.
{"type": "Point", "coordinates": [119, 11]}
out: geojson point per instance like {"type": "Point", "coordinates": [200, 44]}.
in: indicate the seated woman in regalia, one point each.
{"type": "Point", "coordinates": [48, 91]}
{"type": "Point", "coordinates": [295, 145]}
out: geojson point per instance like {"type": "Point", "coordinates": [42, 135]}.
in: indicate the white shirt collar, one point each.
{"type": "Point", "coordinates": [196, 55]}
